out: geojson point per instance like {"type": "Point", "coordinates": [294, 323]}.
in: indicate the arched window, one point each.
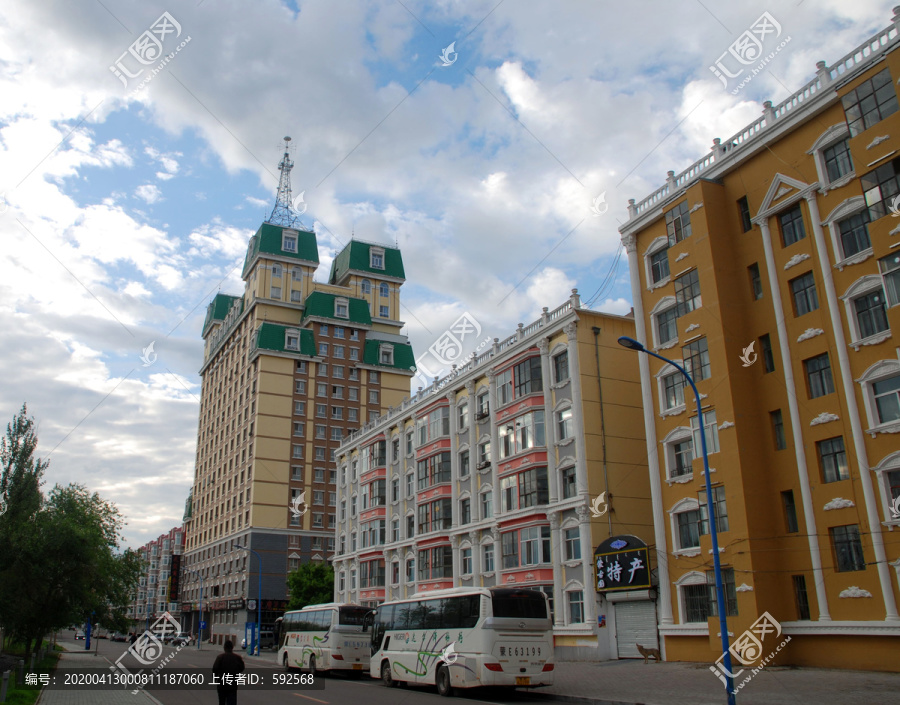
{"type": "Point", "coordinates": [366, 286]}
{"type": "Point", "coordinates": [384, 290]}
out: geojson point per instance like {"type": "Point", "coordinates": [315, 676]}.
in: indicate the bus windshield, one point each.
{"type": "Point", "coordinates": [518, 604]}
{"type": "Point", "coordinates": [353, 616]}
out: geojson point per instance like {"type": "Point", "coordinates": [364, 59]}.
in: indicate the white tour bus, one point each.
{"type": "Point", "coordinates": [324, 637]}
{"type": "Point", "coordinates": [464, 638]}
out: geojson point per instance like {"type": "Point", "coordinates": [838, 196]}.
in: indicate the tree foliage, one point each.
{"type": "Point", "coordinates": [60, 561]}
{"type": "Point", "coordinates": [310, 584]}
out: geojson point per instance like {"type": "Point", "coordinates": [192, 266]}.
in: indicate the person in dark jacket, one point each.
{"type": "Point", "coordinates": [230, 663]}
{"type": "Point", "coordinates": [133, 638]}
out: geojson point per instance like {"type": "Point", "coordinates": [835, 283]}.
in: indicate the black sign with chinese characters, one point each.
{"type": "Point", "coordinates": [621, 563]}
{"type": "Point", "coordinates": [175, 578]}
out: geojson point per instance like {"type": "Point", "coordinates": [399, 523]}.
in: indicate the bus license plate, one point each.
{"type": "Point", "coordinates": [357, 666]}
{"type": "Point", "coordinates": [523, 680]}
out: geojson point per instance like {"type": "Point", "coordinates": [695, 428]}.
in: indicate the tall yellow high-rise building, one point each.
{"type": "Point", "coordinates": [290, 368]}
{"type": "Point", "coordinates": [771, 269]}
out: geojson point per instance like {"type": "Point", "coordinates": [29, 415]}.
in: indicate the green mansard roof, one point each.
{"type": "Point", "coordinates": [218, 309]}
{"type": "Point", "coordinates": [321, 304]}
{"type": "Point", "coordinates": [355, 256]}
{"type": "Point", "coordinates": [268, 240]}
{"type": "Point", "coordinates": [271, 336]}
{"type": "Point", "coordinates": [403, 355]}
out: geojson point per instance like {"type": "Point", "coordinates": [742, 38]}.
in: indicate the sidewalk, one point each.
{"type": "Point", "coordinates": [71, 660]}
{"type": "Point", "coordinates": [632, 682]}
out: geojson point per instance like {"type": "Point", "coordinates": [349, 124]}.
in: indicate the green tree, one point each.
{"type": "Point", "coordinates": [310, 584]}
{"type": "Point", "coordinates": [61, 560]}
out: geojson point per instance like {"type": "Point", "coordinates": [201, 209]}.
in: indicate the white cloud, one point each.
{"type": "Point", "coordinates": [149, 193]}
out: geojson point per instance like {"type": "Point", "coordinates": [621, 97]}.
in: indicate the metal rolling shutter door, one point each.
{"type": "Point", "coordinates": [635, 624]}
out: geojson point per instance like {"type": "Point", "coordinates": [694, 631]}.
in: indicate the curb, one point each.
{"type": "Point", "coordinates": [580, 700]}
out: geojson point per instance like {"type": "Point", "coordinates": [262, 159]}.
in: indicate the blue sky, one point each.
{"type": "Point", "coordinates": [122, 214]}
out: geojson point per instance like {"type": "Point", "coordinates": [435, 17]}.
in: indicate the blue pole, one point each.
{"type": "Point", "coordinates": [633, 344]}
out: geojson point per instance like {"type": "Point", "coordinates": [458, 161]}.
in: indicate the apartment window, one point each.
{"type": "Point", "coordinates": [837, 160]}
{"type": "Point", "coordinates": [791, 223]}
{"type": "Point", "coordinates": [666, 325]}
{"type": "Point", "coordinates": [755, 281]}
{"type": "Point", "coordinates": [384, 312]}
{"type": "Point", "coordinates": [573, 544]}
{"type": "Point", "coordinates": [488, 558]}
{"type": "Point", "coordinates": [410, 483]}
{"type": "Point", "coordinates": [376, 258]}
{"type": "Point", "coordinates": [353, 393]}
{"type": "Point", "coordinates": [383, 290]}
{"type": "Point", "coordinates": [466, 561]}
{"type": "Point", "coordinates": [435, 516]}
{"type": "Point", "coordinates": [744, 211]}
{"type": "Point", "coordinates": [886, 395]}
{"type": "Point", "coordinates": [854, 233]}
{"type": "Point", "coordinates": [528, 377]}
{"type": "Point", "coordinates": [395, 449]}
{"type": "Point", "coordinates": [321, 410]}
{"type": "Point", "coordinates": [765, 349]}
{"type": "Point", "coordinates": [464, 464]}
{"type": "Point", "coordinates": [386, 354]}
{"type": "Point", "coordinates": [522, 433]}
{"type": "Point", "coordinates": [880, 187]}
{"type": "Point", "coordinates": [320, 454]}
{"type": "Point", "coordinates": [803, 290]}
{"type": "Point", "coordinates": [373, 396]}
{"type": "Point", "coordinates": [292, 341]}
{"type": "Point", "coordinates": [504, 387]}
{"type": "Point", "coordinates": [436, 563]}
{"type": "Point", "coordinates": [682, 457]}
{"type": "Point", "coordinates": [678, 223]}
{"type": "Point", "coordinates": [275, 292]}
{"type": "Point", "coordinates": [833, 459]}
{"type": "Point", "coordinates": [871, 313]}
{"type": "Point", "coordinates": [320, 431]}
{"type": "Point", "coordinates": [483, 405]}
{"type": "Point", "coordinates": [561, 366]}
{"type": "Point", "coordinates": [565, 424]}
{"type": "Point", "coordinates": [673, 390]}
{"type": "Point", "coordinates": [354, 334]}
{"type": "Point", "coordinates": [410, 570]}
{"type": "Point", "coordinates": [336, 433]}
{"type": "Point", "coordinates": [323, 349]}
{"type": "Point", "coordinates": [341, 308]}
{"type": "Point", "coordinates": [297, 296]}
{"type": "Point", "coordinates": [576, 606]}
{"type": "Point", "coordinates": [688, 526]}
{"type": "Point", "coordinates": [696, 359]}
{"type": "Point", "coordinates": [298, 428]}
{"type": "Point", "coordinates": [339, 351]}
{"type": "Point", "coordinates": [801, 598]}
{"type": "Point", "coordinates": [721, 509]}
{"type": "Point", "coordinates": [296, 473]}
{"type": "Point", "coordinates": [465, 511]}
{"type": "Point", "coordinates": [321, 389]}
{"type": "Point", "coordinates": [790, 512]}
{"type": "Point", "coordinates": [337, 372]}
{"type": "Point", "coordinates": [569, 488]}
{"type": "Point", "coordinates": [818, 376]}
{"type": "Point", "coordinates": [353, 506]}
{"type": "Point", "coordinates": [337, 391]}
{"type": "Point", "coordinates": [318, 497]}
{"type": "Point", "coordinates": [409, 442]}
{"type": "Point", "coordinates": [354, 355]}
{"type": "Point", "coordinates": [288, 244]}
{"type": "Point", "coordinates": [352, 414]}
{"type": "Point", "coordinates": [889, 267]}
{"type": "Point", "coordinates": [847, 547]}
{"type": "Point", "coordinates": [871, 102]}
{"type": "Point", "coordinates": [659, 265]}
{"type": "Point", "coordinates": [322, 369]}
{"type": "Point", "coordinates": [343, 510]}
{"type": "Point", "coordinates": [300, 387]}
{"type": "Point", "coordinates": [365, 286]}
{"type": "Point", "coordinates": [729, 590]}
{"type": "Point", "coordinates": [410, 527]}
{"type": "Point", "coordinates": [687, 292]}
{"type": "Point", "coordinates": [487, 504]}
{"type": "Point", "coordinates": [433, 470]}
{"type": "Point", "coordinates": [338, 332]}
{"type": "Point", "coordinates": [298, 451]}
{"type": "Point", "coordinates": [778, 429]}
{"type": "Point", "coordinates": [484, 453]}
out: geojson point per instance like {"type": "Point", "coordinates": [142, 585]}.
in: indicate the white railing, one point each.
{"type": "Point", "coordinates": [855, 61]}
{"type": "Point", "coordinates": [473, 363]}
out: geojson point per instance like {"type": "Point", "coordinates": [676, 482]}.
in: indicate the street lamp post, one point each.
{"type": "Point", "coordinates": [633, 344]}
{"type": "Point", "coordinates": [258, 595]}
{"type": "Point", "coordinates": [199, 621]}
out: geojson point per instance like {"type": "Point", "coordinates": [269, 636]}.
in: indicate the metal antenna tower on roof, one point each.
{"type": "Point", "coordinates": [283, 213]}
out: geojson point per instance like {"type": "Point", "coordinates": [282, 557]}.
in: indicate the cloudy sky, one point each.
{"type": "Point", "coordinates": [501, 165]}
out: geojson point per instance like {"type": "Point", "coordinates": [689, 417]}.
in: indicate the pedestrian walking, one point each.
{"type": "Point", "coordinates": [231, 663]}
{"type": "Point", "coordinates": [133, 638]}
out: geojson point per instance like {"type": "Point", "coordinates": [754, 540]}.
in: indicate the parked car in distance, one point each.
{"type": "Point", "coordinates": [266, 640]}
{"type": "Point", "coordinates": [180, 639]}
{"type": "Point", "coordinates": [79, 634]}
{"type": "Point", "coordinates": [118, 636]}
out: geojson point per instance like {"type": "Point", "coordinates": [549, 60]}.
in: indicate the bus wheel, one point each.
{"type": "Point", "coordinates": [386, 677]}
{"type": "Point", "coordinates": [442, 680]}
{"type": "Point", "coordinates": [312, 666]}
{"type": "Point", "coordinates": [287, 666]}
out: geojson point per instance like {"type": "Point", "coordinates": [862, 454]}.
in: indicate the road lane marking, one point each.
{"type": "Point", "coordinates": [299, 695]}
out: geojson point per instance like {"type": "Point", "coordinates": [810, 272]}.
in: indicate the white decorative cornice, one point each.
{"type": "Point", "coordinates": [680, 480]}
{"type": "Point", "coordinates": [877, 141]}
{"type": "Point", "coordinates": [824, 417]}
{"type": "Point", "coordinates": [895, 231]}
{"type": "Point", "coordinates": [697, 206]}
{"type": "Point", "coordinates": [693, 326]}
{"type": "Point", "coordinates": [682, 256]}
{"type": "Point", "coordinates": [783, 191]}
{"type": "Point", "coordinates": [688, 554]}
{"type": "Point", "coordinates": [726, 424]}
{"type": "Point", "coordinates": [809, 333]}
{"type": "Point", "coordinates": [854, 259]}
{"type": "Point", "coordinates": [796, 259]}
{"type": "Point", "coordinates": [670, 344]}
{"type": "Point", "coordinates": [721, 550]}
{"type": "Point", "coordinates": [871, 340]}
{"type": "Point", "coordinates": [854, 591]}
{"type": "Point", "coordinates": [838, 503]}
{"type": "Point", "coordinates": [743, 587]}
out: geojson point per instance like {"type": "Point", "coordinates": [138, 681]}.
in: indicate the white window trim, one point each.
{"type": "Point", "coordinates": [861, 287]}
{"type": "Point", "coordinates": [889, 463]}
{"type": "Point", "coordinates": [376, 251]}
{"type": "Point", "coordinates": [845, 209]}
{"type": "Point", "coordinates": [386, 348]}
{"type": "Point", "coordinates": [277, 270]}
{"type": "Point", "coordinates": [674, 436]}
{"type": "Point", "coordinates": [289, 333]}
{"type": "Point", "coordinates": [835, 133]}
{"type": "Point", "coordinates": [570, 523]}
{"type": "Point", "coordinates": [459, 404]}
{"type": "Point", "coordinates": [562, 405]}
{"type": "Point", "coordinates": [666, 371]}
{"type": "Point", "coordinates": [575, 586]}
{"type": "Point", "coordinates": [660, 243]}
{"type": "Point", "coordinates": [687, 504]}
{"type": "Point", "coordinates": [289, 235]}
{"type": "Point", "coordinates": [338, 301]}
{"type": "Point", "coordinates": [666, 303]}
{"type": "Point", "coordinates": [694, 577]}
{"type": "Point", "coordinates": [875, 373]}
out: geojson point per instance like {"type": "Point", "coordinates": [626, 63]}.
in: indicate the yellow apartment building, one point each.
{"type": "Point", "coordinates": [515, 469]}
{"type": "Point", "coordinates": [771, 269]}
